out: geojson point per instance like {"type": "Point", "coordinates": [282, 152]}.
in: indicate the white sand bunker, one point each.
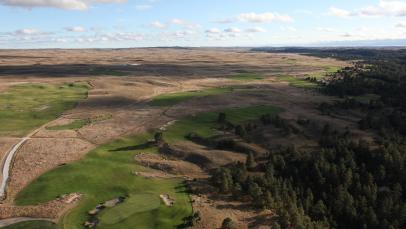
{"type": "Point", "coordinates": [167, 200]}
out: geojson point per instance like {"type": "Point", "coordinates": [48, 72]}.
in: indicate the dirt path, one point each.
{"type": "Point", "coordinates": [10, 221]}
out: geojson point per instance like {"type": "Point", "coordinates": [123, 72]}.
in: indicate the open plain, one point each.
{"type": "Point", "coordinates": [90, 116]}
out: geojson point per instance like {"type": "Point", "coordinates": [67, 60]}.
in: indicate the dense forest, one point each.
{"type": "Point", "coordinates": [346, 183]}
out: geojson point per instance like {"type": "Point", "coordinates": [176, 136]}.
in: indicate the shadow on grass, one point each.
{"type": "Point", "coordinates": [130, 148]}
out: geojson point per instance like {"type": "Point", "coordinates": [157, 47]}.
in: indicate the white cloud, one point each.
{"type": "Point", "coordinates": [325, 29]}
{"type": "Point", "coordinates": [334, 11]}
{"type": "Point", "coordinates": [255, 30]}
{"type": "Point", "coordinates": [143, 7]}
{"type": "Point", "coordinates": [76, 29]}
{"type": "Point", "coordinates": [386, 8]}
{"type": "Point", "coordinates": [213, 31]}
{"type": "Point", "coordinates": [225, 21]}
{"type": "Point", "coordinates": [177, 21]}
{"type": "Point", "coordinates": [232, 30]}
{"type": "Point", "coordinates": [264, 17]}
{"type": "Point", "coordinates": [159, 25]}
{"type": "Point", "coordinates": [396, 8]}
{"type": "Point", "coordinates": [401, 25]}
{"type": "Point", "coordinates": [61, 4]}
{"type": "Point", "coordinates": [28, 32]}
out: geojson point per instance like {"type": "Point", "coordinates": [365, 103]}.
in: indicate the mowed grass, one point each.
{"type": "Point", "coordinates": [134, 204]}
{"type": "Point", "coordinates": [247, 77]}
{"type": "Point", "coordinates": [205, 124]}
{"type": "Point", "coordinates": [76, 124]}
{"type": "Point", "coordinates": [298, 82]}
{"type": "Point", "coordinates": [106, 173]}
{"type": "Point", "coordinates": [35, 224]}
{"type": "Point", "coordinates": [79, 123]}
{"type": "Point", "coordinates": [170, 99]}
{"type": "Point", "coordinates": [28, 106]}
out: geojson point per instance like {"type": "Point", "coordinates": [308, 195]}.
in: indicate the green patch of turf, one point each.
{"type": "Point", "coordinates": [28, 106]}
{"type": "Point", "coordinates": [79, 123]}
{"type": "Point", "coordinates": [322, 74]}
{"type": "Point", "coordinates": [76, 124]}
{"type": "Point", "coordinates": [106, 71]}
{"type": "Point", "coordinates": [35, 224]}
{"type": "Point", "coordinates": [106, 173]}
{"type": "Point", "coordinates": [298, 82]}
{"type": "Point", "coordinates": [247, 77]}
{"type": "Point", "coordinates": [204, 124]}
{"type": "Point", "coordinates": [134, 204]}
{"type": "Point", "coordinates": [175, 98]}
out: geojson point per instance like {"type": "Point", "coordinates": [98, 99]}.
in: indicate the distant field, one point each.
{"type": "Point", "coordinates": [247, 77]}
{"type": "Point", "coordinates": [174, 98]}
{"type": "Point", "coordinates": [28, 106]}
{"type": "Point", "coordinates": [298, 82]}
{"type": "Point", "coordinates": [35, 224]}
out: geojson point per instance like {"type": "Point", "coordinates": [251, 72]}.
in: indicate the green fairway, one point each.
{"type": "Point", "coordinates": [175, 98]}
{"type": "Point", "coordinates": [204, 124]}
{"type": "Point", "coordinates": [79, 123]}
{"type": "Point", "coordinates": [247, 77]}
{"type": "Point", "coordinates": [106, 173]}
{"type": "Point", "coordinates": [134, 204]}
{"type": "Point", "coordinates": [298, 82]}
{"type": "Point", "coordinates": [35, 224]}
{"type": "Point", "coordinates": [28, 106]}
{"type": "Point", "coordinates": [76, 124]}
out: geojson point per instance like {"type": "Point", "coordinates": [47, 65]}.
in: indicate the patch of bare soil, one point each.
{"type": "Point", "coordinates": [37, 156]}
{"type": "Point", "coordinates": [214, 209]}
{"type": "Point", "coordinates": [204, 157]}
{"type": "Point", "coordinates": [169, 166]}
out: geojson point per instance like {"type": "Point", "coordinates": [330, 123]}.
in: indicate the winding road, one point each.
{"type": "Point", "coordinates": [6, 166]}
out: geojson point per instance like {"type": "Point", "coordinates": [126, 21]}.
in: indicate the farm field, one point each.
{"type": "Point", "coordinates": [97, 123]}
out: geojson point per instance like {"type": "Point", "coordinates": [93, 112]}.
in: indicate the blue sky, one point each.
{"type": "Point", "coordinates": [139, 23]}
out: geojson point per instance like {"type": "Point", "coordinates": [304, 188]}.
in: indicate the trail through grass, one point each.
{"type": "Point", "coordinates": [28, 106]}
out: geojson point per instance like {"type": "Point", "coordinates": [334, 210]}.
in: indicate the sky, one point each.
{"type": "Point", "coordinates": [147, 23]}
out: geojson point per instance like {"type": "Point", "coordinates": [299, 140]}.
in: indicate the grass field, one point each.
{"type": "Point", "coordinates": [204, 124]}
{"type": "Point", "coordinates": [106, 173]}
{"type": "Point", "coordinates": [79, 123]}
{"type": "Point", "coordinates": [28, 106]}
{"type": "Point", "coordinates": [76, 124]}
{"type": "Point", "coordinates": [175, 98]}
{"type": "Point", "coordinates": [247, 77]}
{"type": "Point", "coordinates": [35, 224]}
{"type": "Point", "coordinates": [328, 70]}
{"type": "Point", "coordinates": [298, 82]}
